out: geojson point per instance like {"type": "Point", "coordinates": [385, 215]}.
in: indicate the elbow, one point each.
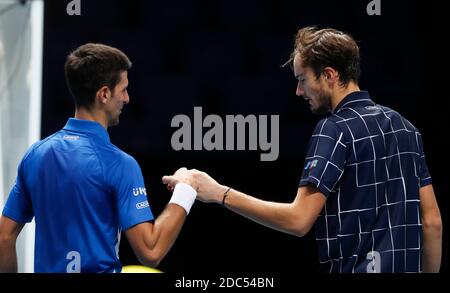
{"type": "Point", "coordinates": [433, 224]}
{"type": "Point", "coordinates": [151, 258]}
{"type": "Point", "coordinates": [152, 263]}
{"type": "Point", "coordinates": [6, 239]}
{"type": "Point", "coordinates": [300, 230]}
{"type": "Point", "coordinates": [298, 225]}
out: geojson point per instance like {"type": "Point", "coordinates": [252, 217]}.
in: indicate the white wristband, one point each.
{"type": "Point", "coordinates": [184, 195]}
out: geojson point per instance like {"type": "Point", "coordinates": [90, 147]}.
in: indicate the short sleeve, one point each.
{"type": "Point", "coordinates": [130, 192]}
{"type": "Point", "coordinates": [326, 157]}
{"type": "Point", "coordinates": [421, 166]}
{"type": "Point", "coordinates": [18, 207]}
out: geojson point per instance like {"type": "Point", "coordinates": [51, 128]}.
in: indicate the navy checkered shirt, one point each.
{"type": "Point", "coordinates": [369, 163]}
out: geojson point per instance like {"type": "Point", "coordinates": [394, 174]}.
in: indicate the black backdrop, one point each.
{"type": "Point", "coordinates": [225, 56]}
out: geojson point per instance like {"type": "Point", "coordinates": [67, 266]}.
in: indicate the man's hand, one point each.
{"type": "Point", "coordinates": [182, 175]}
{"type": "Point", "coordinates": [208, 190]}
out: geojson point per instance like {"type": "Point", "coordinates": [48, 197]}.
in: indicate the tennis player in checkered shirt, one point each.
{"type": "Point", "coordinates": [365, 182]}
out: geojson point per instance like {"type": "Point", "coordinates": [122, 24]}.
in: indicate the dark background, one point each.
{"type": "Point", "coordinates": [226, 57]}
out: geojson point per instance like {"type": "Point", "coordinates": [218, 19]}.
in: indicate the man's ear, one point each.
{"type": "Point", "coordinates": [103, 94]}
{"type": "Point", "coordinates": [330, 74]}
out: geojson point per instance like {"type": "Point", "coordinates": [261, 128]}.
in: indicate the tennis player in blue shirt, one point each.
{"type": "Point", "coordinates": [82, 190]}
{"type": "Point", "coordinates": [365, 183]}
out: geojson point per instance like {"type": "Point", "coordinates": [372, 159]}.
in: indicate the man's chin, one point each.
{"type": "Point", "coordinates": [113, 122]}
{"type": "Point", "coordinates": [320, 110]}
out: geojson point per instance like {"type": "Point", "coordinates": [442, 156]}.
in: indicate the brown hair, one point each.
{"type": "Point", "coordinates": [328, 48]}
{"type": "Point", "coordinates": [92, 66]}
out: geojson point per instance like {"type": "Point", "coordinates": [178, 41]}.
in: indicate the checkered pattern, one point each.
{"type": "Point", "coordinates": [369, 163]}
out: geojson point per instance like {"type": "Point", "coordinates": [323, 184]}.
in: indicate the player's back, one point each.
{"type": "Point", "coordinates": [378, 203]}
{"type": "Point", "coordinates": [75, 213]}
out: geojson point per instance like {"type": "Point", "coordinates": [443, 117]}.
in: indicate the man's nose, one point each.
{"type": "Point", "coordinates": [300, 91]}
{"type": "Point", "coordinates": [127, 99]}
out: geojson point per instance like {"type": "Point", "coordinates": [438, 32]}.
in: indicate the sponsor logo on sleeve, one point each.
{"type": "Point", "coordinates": [139, 191]}
{"type": "Point", "coordinates": [142, 205]}
{"type": "Point", "coordinates": [311, 164]}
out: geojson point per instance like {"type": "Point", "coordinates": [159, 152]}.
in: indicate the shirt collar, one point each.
{"type": "Point", "coordinates": [355, 98]}
{"type": "Point", "coordinates": [85, 126]}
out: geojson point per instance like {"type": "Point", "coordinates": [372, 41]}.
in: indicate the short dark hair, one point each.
{"type": "Point", "coordinates": [92, 66]}
{"type": "Point", "coordinates": [328, 48]}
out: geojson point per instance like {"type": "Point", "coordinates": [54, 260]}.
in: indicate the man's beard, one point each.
{"type": "Point", "coordinates": [323, 104]}
{"type": "Point", "coordinates": [113, 121]}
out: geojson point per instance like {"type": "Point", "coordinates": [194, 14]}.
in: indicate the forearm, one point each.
{"type": "Point", "coordinates": [164, 233]}
{"type": "Point", "coordinates": [278, 216]}
{"type": "Point", "coordinates": [8, 257]}
{"type": "Point", "coordinates": [432, 248]}
{"type": "Point", "coordinates": [167, 227]}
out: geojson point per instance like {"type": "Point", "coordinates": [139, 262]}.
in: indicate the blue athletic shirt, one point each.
{"type": "Point", "coordinates": [83, 191]}
{"type": "Point", "coordinates": [369, 162]}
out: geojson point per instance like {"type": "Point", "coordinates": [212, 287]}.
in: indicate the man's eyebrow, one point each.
{"type": "Point", "coordinates": [298, 76]}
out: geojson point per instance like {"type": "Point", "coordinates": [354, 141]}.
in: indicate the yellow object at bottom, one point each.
{"type": "Point", "coordinates": [139, 269]}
